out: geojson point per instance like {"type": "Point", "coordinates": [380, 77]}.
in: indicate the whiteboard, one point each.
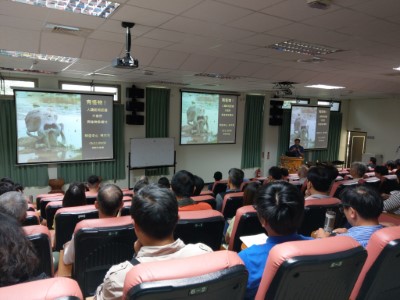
{"type": "Point", "coordinates": [152, 152]}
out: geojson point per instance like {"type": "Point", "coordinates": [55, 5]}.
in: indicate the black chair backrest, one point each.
{"type": "Point", "coordinates": [43, 205]}
{"type": "Point", "coordinates": [314, 215]}
{"type": "Point", "coordinates": [31, 219]}
{"type": "Point", "coordinates": [51, 210]}
{"type": "Point", "coordinates": [203, 226]}
{"type": "Point", "coordinates": [42, 244]}
{"type": "Point", "coordinates": [248, 225]}
{"type": "Point", "coordinates": [67, 218]}
{"type": "Point", "coordinates": [231, 205]}
{"type": "Point", "coordinates": [99, 248]}
{"type": "Point", "coordinates": [219, 187]}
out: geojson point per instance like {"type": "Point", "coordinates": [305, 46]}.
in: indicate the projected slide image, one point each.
{"type": "Point", "coordinates": [199, 118]}
{"type": "Point", "coordinates": [49, 127]}
{"type": "Point", "coordinates": [303, 125]}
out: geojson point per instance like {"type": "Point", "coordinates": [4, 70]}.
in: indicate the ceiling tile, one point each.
{"type": "Point", "coordinates": [19, 39]}
{"type": "Point", "coordinates": [378, 8]}
{"type": "Point", "coordinates": [166, 35]}
{"type": "Point", "coordinates": [246, 69]}
{"type": "Point", "coordinates": [75, 20]}
{"type": "Point", "coordinates": [170, 6]}
{"type": "Point", "coordinates": [116, 27]}
{"type": "Point", "coordinates": [251, 4]}
{"type": "Point", "coordinates": [169, 59]}
{"type": "Point", "coordinates": [61, 44]}
{"type": "Point", "coordinates": [197, 63]}
{"type": "Point", "coordinates": [101, 50]}
{"type": "Point", "coordinates": [145, 42]}
{"type": "Point", "coordinates": [258, 22]}
{"type": "Point", "coordinates": [222, 66]}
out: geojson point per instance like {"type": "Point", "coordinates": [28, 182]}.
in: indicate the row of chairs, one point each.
{"type": "Point", "coordinates": [333, 268]}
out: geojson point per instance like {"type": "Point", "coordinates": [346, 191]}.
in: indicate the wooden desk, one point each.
{"type": "Point", "coordinates": [291, 163]}
{"type": "Point", "coordinates": [63, 269]}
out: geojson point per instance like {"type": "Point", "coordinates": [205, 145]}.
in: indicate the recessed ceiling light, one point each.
{"type": "Point", "coordinates": [303, 48]}
{"type": "Point", "coordinates": [324, 86]}
{"type": "Point", "coordinates": [397, 69]}
{"type": "Point", "coordinates": [95, 8]}
{"type": "Point", "coordinates": [217, 76]}
{"type": "Point", "coordinates": [47, 57]}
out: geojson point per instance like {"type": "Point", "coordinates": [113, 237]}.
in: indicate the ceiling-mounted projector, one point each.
{"type": "Point", "coordinates": [320, 4]}
{"type": "Point", "coordinates": [127, 62]}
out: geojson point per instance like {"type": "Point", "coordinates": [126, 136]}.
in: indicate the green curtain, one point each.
{"type": "Point", "coordinates": [329, 154]}
{"type": "Point", "coordinates": [157, 120]}
{"type": "Point", "coordinates": [253, 128]}
{"type": "Point", "coordinates": [108, 170]}
{"type": "Point", "coordinates": [332, 151]}
{"type": "Point", "coordinates": [284, 135]}
{"type": "Point", "coordinates": [35, 175]}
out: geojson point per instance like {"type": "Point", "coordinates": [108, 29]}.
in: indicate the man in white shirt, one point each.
{"type": "Point", "coordinates": [155, 214]}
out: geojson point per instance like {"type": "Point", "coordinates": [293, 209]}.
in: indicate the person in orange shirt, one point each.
{"type": "Point", "coordinates": [182, 184]}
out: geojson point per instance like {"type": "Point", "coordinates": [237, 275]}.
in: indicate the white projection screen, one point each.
{"type": "Point", "coordinates": [310, 124]}
{"type": "Point", "coordinates": [59, 126]}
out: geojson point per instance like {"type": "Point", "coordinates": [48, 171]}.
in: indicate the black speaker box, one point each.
{"type": "Point", "coordinates": [134, 93]}
{"type": "Point", "coordinates": [275, 120]}
{"type": "Point", "coordinates": [135, 106]}
{"type": "Point", "coordinates": [134, 120]}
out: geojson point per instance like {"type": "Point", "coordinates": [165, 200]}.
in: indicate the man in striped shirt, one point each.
{"type": "Point", "coordinates": [362, 206]}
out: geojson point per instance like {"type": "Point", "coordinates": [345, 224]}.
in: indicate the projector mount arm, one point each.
{"type": "Point", "coordinates": [128, 27]}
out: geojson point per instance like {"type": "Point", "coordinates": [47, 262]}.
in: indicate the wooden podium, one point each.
{"type": "Point", "coordinates": [291, 163]}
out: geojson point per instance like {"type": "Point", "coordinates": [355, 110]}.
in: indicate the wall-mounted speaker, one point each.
{"type": "Point", "coordinates": [134, 106]}
{"type": "Point", "coordinates": [275, 113]}
{"type": "Point", "coordinates": [134, 119]}
{"type": "Point", "coordinates": [134, 93]}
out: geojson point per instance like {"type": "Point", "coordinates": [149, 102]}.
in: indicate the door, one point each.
{"type": "Point", "coordinates": [355, 146]}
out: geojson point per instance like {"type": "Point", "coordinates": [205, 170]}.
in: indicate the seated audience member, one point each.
{"type": "Point", "coordinates": [248, 199]}
{"type": "Point", "coordinates": [109, 202]}
{"type": "Point", "coordinates": [198, 185]}
{"type": "Point", "coordinates": [319, 181]}
{"type": "Point", "coordinates": [6, 187]}
{"type": "Point", "coordinates": [14, 204]}
{"type": "Point", "coordinates": [217, 177]}
{"type": "Point", "coordinates": [18, 187]}
{"type": "Point", "coordinates": [302, 172]}
{"type": "Point", "coordinates": [18, 259]}
{"type": "Point", "coordinates": [155, 214]}
{"type": "Point", "coordinates": [75, 195]}
{"type": "Point", "coordinates": [391, 165]}
{"type": "Point", "coordinates": [145, 179]}
{"type": "Point", "coordinates": [372, 163]}
{"type": "Point", "coordinates": [386, 185]}
{"type": "Point", "coordinates": [280, 208]}
{"type": "Point", "coordinates": [362, 207]}
{"type": "Point", "coordinates": [140, 184]}
{"type": "Point", "coordinates": [274, 174]}
{"type": "Point", "coordinates": [285, 174]}
{"type": "Point", "coordinates": [182, 184]}
{"type": "Point", "coordinates": [235, 179]}
{"type": "Point", "coordinates": [164, 182]}
{"type": "Point", "coordinates": [357, 170]}
{"type": "Point", "coordinates": [93, 184]}
{"type": "Point", "coordinates": [392, 203]}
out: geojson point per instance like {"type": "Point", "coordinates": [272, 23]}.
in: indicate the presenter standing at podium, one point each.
{"type": "Point", "coordinates": [296, 150]}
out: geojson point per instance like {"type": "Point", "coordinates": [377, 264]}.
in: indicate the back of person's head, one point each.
{"type": "Point", "coordinates": [141, 183]}
{"type": "Point", "coordinates": [364, 199]}
{"type": "Point", "coordinates": [391, 165]}
{"type": "Point", "coordinates": [397, 162]}
{"type": "Point", "coordinates": [302, 171]}
{"type": "Point", "coordinates": [14, 204]}
{"type": "Point", "coordinates": [275, 173]}
{"type": "Point", "coordinates": [144, 178]}
{"type": "Point", "coordinates": [182, 184]}
{"type": "Point", "coordinates": [281, 205]}
{"type": "Point", "coordinates": [198, 185]}
{"type": "Point", "coordinates": [250, 192]}
{"type": "Point", "coordinates": [8, 180]}
{"type": "Point", "coordinates": [18, 259]}
{"type": "Point", "coordinates": [164, 182]}
{"type": "Point", "coordinates": [285, 172]}
{"type": "Point", "coordinates": [6, 187]}
{"type": "Point", "coordinates": [155, 211]}
{"type": "Point", "coordinates": [359, 168]}
{"type": "Point", "coordinates": [217, 176]}
{"type": "Point", "coordinates": [18, 187]}
{"type": "Point", "coordinates": [75, 195]}
{"type": "Point", "coordinates": [321, 178]}
{"type": "Point", "coordinates": [373, 160]}
{"type": "Point", "coordinates": [109, 200]}
{"type": "Point", "coordinates": [381, 170]}
{"type": "Point", "coordinates": [93, 180]}
{"type": "Point", "coordinates": [236, 177]}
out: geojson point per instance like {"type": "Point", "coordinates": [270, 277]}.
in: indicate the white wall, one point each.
{"type": "Point", "coordinates": [379, 118]}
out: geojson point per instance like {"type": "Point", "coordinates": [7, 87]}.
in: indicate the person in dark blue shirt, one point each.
{"type": "Point", "coordinates": [280, 208]}
{"type": "Point", "coordinates": [296, 150]}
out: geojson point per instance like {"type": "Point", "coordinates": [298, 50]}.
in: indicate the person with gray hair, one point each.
{"type": "Point", "coordinates": [14, 204]}
{"type": "Point", "coordinates": [358, 170]}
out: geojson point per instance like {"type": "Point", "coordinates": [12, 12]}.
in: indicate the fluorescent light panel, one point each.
{"type": "Point", "coordinates": [46, 57]}
{"type": "Point", "coordinates": [397, 69]}
{"type": "Point", "coordinates": [303, 48]}
{"type": "Point", "coordinates": [324, 86]}
{"type": "Point", "coordinates": [97, 8]}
